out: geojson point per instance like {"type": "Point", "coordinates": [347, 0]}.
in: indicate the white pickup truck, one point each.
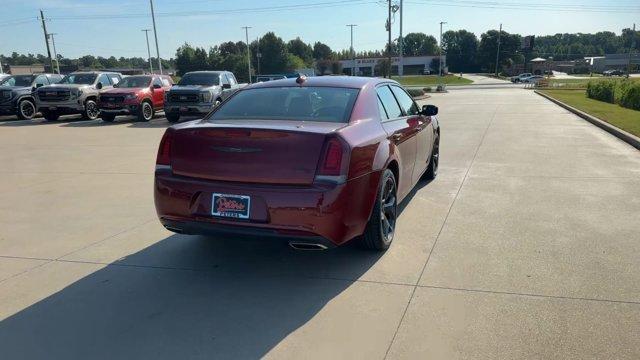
{"type": "Point", "coordinates": [521, 77]}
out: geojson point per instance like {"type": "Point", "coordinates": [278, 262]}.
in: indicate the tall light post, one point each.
{"type": "Point", "coordinates": [401, 44]}
{"type": "Point", "coordinates": [146, 34]}
{"type": "Point", "coordinates": [353, 53]}
{"type": "Point", "coordinates": [155, 34]}
{"type": "Point", "coordinates": [246, 33]}
{"type": "Point", "coordinates": [440, 54]}
{"type": "Point", "coordinates": [55, 53]}
{"type": "Point", "coordinates": [631, 47]}
{"type": "Point", "coordinates": [498, 52]}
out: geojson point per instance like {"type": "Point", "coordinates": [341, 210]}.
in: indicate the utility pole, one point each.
{"type": "Point", "coordinates": [146, 34]}
{"type": "Point", "coordinates": [631, 47]}
{"type": "Point", "coordinates": [258, 56]}
{"type": "Point", "coordinates": [498, 52]}
{"type": "Point", "coordinates": [46, 39]}
{"type": "Point", "coordinates": [389, 41]}
{"type": "Point", "coordinates": [401, 44]}
{"type": "Point", "coordinates": [353, 53]}
{"type": "Point", "coordinates": [155, 34]}
{"type": "Point", "coordinates": [55, 53]}
{"type": "Point", "coordinates": [440, 54]}
{"type": "Point", "coordinates": [246, 33]}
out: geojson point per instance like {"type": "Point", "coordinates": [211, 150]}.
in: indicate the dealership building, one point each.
{"type": "Point", "coordinates": [412, 65]}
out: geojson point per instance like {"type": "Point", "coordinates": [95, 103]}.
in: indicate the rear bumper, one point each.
{"type": "Point", "coordinates": [324, 214]}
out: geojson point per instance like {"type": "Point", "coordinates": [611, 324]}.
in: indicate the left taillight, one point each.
{"type": "Point", "coordinates": [333, 164]}
{"type": "Point", "coordinates": [164, 151]}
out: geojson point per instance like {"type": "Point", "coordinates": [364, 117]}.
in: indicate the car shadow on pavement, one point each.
{"type": "Point", "coordinates": [185, 297]}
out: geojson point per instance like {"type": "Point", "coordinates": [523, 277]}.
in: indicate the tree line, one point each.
{"type": "Point", "coordinates": [271, 54]}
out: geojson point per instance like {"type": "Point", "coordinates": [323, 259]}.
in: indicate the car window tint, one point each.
{"type": "Point", "coordinates": [114, 79]}
{"type": "Point", "coordinates": [326, 104]}
{"type": "Point", "coordinates": [157, 81]}
{"type": "Point", "coordinates": [383, 112]}
{"type": "Point", "coordinates": [223, 79]}
{"type": "Point", "coordinates": [389, 102]}
{"type": "Point", "coordinates": [232, 79]}
{"type": "Point", "coordinates": [406, 102]}
{"type": "Point", "coordinates": [41, 80]}
{"type": "Point", "coordinates": [104, 79]}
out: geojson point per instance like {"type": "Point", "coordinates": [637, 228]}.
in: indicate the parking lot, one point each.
{"type": "Point", "coordinates": [527, 245]}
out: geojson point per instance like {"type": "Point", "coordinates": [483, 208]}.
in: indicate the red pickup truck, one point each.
{"type": "Point", "coordinates": [140, 95]}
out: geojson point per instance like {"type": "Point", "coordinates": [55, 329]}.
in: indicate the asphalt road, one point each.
{"type": "Point", "coordinates": [525, 246]}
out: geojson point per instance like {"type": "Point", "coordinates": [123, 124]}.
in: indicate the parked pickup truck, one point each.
{"type": "Point", "coordinates": [76, 93]}
{"type": "Point", "coordinates": [16, 97]}
{"type": "Point", "coordinates": [198, 92]}
{"type": "Point", "coordinates": [140, 95]}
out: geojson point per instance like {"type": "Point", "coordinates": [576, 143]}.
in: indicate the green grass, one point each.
{"type": "Point", "coordinates": [581, 83]}
{"type": "Point", "coordinates": [623, 118]}
{"type": "Point", "coordinates": [419, 80]}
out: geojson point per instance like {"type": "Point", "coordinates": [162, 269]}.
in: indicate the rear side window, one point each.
{"type": "Point", "coordinates": [389, 102]}
{"type": "Point", "coordinates": [325, 104]}
{"type": "Point", "coordinates": [114, 78]}
{"type": "Point", "coordinates": [41, 80]}
{"type": "Point", "coordinates": [383, 112]}
{"type": "Point", "coordinates": [406, 102]}
{"type": "Point", "coordinates": [157, 81]}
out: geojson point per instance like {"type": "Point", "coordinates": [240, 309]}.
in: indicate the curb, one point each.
{"type": "Point", "coordinates": [620, 134]}
{"type": "Point", "coordinates": [422, 97]}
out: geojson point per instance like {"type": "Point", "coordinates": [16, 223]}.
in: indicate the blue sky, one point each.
{"type": "Point", "coordinates": [82, 29]}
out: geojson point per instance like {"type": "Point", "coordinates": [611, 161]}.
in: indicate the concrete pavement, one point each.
{"type": "Point", "coordinates": [525, 246]}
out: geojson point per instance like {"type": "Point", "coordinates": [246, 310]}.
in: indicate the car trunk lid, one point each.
{"type": "Point", "coordinates": [270, 152]}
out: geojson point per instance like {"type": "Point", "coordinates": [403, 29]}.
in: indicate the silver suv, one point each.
{"type": "Point", "coordinates": [76, 93]}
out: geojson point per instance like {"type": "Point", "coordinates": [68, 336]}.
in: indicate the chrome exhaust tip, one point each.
{"type": "Point", "coordinates": [307, 246]}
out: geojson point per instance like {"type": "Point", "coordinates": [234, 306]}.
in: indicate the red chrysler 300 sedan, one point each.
{"type": "Point", "coordinates": [316, 161]}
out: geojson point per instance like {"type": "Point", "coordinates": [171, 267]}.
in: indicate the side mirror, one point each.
{"type": "Point", "coordinates": [156, 86]}
{"type": "Point", "coordinates": [39, 85]}
{"type": "Point", "coordinates": [116, 85]}
{"type": "Point", "coordinates": [99, 86]}
{"type": "Point", "coordinates": [429, 110]}
{"type": "Point", "coordinates": [226, 86]}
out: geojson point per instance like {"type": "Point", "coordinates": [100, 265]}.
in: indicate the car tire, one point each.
{"type": "Point", "coordinates": [50, 115]}
{"type": "Point", "coordinates": [26, 109]}
{"type": "Point", "coordinates": [378, 235]}
{"type": "Point", "coordinates": [91, 110]}
{"type": "Point", "coordinates": [146, 111]}
{"type": "Point", "coordinates": [108, 117]}
{"type": "Point", "coordinates": [172, 117]}
{"type": "Point", "coordinates": [434, 161]}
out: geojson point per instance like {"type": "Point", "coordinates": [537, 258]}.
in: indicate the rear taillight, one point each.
{"type": "Point", "coordinates": [332, 166]}
{"type": "Point", "coordinates": [164, 151]}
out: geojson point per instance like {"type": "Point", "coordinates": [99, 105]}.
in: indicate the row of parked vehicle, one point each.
{"type": "Point", "coordinates": [98, 94]}
{"type": "Point", "coordinates": [527, 78]}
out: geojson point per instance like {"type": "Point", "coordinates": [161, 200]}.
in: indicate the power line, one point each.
{"type": "Point", "coordinates": [527, 6]}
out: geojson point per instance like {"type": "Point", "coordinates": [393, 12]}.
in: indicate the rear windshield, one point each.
{"type": "Point", "coordinates": [135, 82]}
{"type": "Point", "coordinates": [200, 79]}
{"type": "Point", "coordinates": [82, 79]}
{"type": "Point", "coordinates": [326, 104]}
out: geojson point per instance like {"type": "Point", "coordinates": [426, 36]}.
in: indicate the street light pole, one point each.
{"type": "Point", "coordinates": [146, 34]}
{"type": "Point", "coordinates": [155, 34]}
{"type": "Point", "coordinates": [401, 44]}
{"type": "Point", "coordinates": [55, 53]}
{"type": "Point", "coordinates": [631, 47]}
{"type": "Point", "coordinates": [498, 52]}
{"type": "Point", "coordinates": [246, 33]}
{"type": "Point", "coordinates": [389, 41]}
{"type": "Point", "coordinates": [440, 53]}
{"type": "Point", "coordinates": [353, 53]}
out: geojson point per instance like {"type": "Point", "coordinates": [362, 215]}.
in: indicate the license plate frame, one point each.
{"type": "Point", "coordinates": [230, 206]}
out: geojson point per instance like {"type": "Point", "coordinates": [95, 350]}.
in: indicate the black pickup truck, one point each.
{"type": "Point", "coordinates": [16, 93]}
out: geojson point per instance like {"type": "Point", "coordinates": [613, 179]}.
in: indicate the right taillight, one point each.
{"type": "Point", "coordinates": [164, 151]}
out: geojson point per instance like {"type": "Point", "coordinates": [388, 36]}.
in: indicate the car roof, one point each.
{"type": "Point", "coordinates": [207, 72]}
{"type": "Point", "coordinates": [356, 82]}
